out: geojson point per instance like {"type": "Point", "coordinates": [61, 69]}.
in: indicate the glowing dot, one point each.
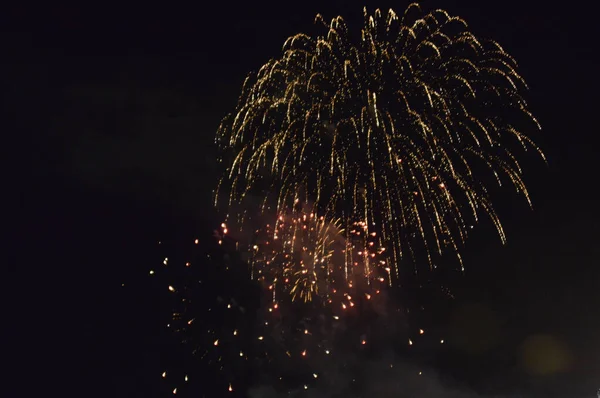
{"type": "Point", "coordinates": [171, 288]}
{"type": "Point", "coordinates": [186, 378]}
{"type": "Point", "coordinates": [420, 373]}
{"type": "Point", "coordinates": [196, 241]}
{"type": "Point", "coordinates": [327, 352]}
{"type": "Point", "coordinates": [441, 341]}
{"type": "Point", "coordinates": [222, 225]}
{"type": "Point", "coordinates": [421, 331]}
{"type": "Point", "coordinates": [175, 391]}
{"type": "Point", "coordinates": [410, 342]}
{"type": "Point", "coordinates": [216, 343]}
{"type": "Point", "coordinates": [241, 354]}
{"type": "Point", "coordinates": [363, 342]}
{"type": "Point", "coordinates": [230, 388]}
{"type": "Point", "coordinates": [235, 332]}
{"type": "Point", "coordinates": [305, 387]}
{"type": "Point", "coordinates": [151, 272]}
{"type": "Point", "coordinates": [260, 337]}
{"type": "Point", "coordinates": [165, 261]}
{"type": "Point", "coordinates": [228, 305]}
{"type": "Point", "coordinates": [164, 374]}
{"type": "Point", "coordinates": [304, 353]}
{"type": "Point", "coordinates": [187, 264]}
{"type": "Point", "coordinates": [315, 375]}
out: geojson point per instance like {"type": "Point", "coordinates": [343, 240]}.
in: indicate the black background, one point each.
{"type": "Point", "coordinates": [109, 117]}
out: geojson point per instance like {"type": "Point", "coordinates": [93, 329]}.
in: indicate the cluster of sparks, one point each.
{"type": "Point", "coordinates": [305, 256]}
{"type": "Point", "coordinates": [290, 326]}
{"type": "Point", "coordinates": [398, 128]}
{"type": "Point", "coordinates": [213, 328]}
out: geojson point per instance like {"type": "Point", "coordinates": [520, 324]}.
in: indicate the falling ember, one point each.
{"type": "Point", "coordinates": [171, 288]}
{"type": "Point", "coordinates": [175, 391]}
{"type": "Point", "coordinates": [315, 375]}
{"type": "Point", "coordinates": [364, 342]}
{"type": "Point", "coordinates": [304, 353]}
{"type": "Point", "coordinates": [421, 331]}
{"type": "Point", "coordinates": [230, 388]}
{"type": "Point", "coordinates": [164, 374]}
{"type": "Point", "coordinates": [216, 343]}
{"type": "Point", "coordinates": [410, 342]}
{"type": "Point", "coordinates": [235, 332]}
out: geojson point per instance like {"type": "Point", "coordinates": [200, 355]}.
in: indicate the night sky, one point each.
{"type": "Point", "coordinates": [109, 117]}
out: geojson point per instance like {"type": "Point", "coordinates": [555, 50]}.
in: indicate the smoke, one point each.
{"type": "Point", "coordinates": [383, 378]}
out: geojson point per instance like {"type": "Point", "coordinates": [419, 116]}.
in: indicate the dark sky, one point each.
{"type": "Point", "coordinates": [109, 117]}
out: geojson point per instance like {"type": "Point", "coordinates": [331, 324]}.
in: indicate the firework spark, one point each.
{"type": "Point", "coordinates": [304, 256]}
{"type": "Point", "coordinates": [398, 128]}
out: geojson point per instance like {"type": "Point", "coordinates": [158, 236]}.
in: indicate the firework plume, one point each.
{"type": "Point", "coordinates": [403, 126]}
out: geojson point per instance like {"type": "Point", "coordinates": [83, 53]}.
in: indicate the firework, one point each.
{"type": "Point", "coordinates": [405, 126]}
{"type": "Point", "coordinates": [236, 332]}
{"type": "Point", "coordinates": [302, 255]}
